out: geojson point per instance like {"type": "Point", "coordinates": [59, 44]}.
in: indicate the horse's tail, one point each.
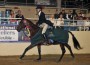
{"type": "Point", "coordinates": [76, 43]}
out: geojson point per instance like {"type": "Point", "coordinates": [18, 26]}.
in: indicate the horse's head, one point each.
{"type": "Point", "coordinates": [27, 24]}
{"type": "Point", "coordinates": [21, 26]}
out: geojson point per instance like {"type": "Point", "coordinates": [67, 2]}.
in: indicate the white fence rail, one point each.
{"type": "Point", "coordinates": [80, 24]}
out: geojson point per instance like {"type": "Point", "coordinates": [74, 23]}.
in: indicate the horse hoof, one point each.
{"type": "Point", "coordinates": [73, 57]}
{"type": "Point", "coordinates": [39, 59]}
{"type": "Point", "coordinates": [21, 57]}
{"type": "Point", "coordinates": [58, 61]}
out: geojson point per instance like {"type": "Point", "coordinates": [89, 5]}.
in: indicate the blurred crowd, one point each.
{"type": "Point", "coordinates": [70, 15]}
{"type": "Point", "coordinates": [72, 18]}
{"type": "Point", "coordinates": [17, 15]}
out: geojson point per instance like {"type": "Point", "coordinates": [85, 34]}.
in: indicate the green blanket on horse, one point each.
{"type": "Point", "coordinates": [55, 34]}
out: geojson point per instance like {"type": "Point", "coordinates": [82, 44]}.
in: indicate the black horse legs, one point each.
{"type": "Point", "coordinates": [39, 52]}
{"type": "Point", "coordinates": [69, 48]}
{"type": "Point", "coordinates": [28, 48]}
{"type": "Point", "coordinates": [63, 51]}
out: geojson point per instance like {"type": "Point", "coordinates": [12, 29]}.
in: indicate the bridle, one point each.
{"type": "Point", "coordinates": [29, 27]}
{"type": "Point", "coordinates": [26, 29]}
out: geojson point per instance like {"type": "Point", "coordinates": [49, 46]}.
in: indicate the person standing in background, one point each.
{"type": "Point", "coordinates": [52, 19]}
{"type": "Point", "coordinates": [63, 13]}
{"type": "Point", "coordinates": [19, 14]}
{"type": "Point", "coordinates": [60, 21]}
{"type": "Point", "coordinates": [87, 24]}
{"type": "Point", "coordinates": [12, 15]}
{"type": "Point", "coordinates": [74, 14]}
{"type": "Point", "coordinates": [69, 15]}
{"type": "Point", "coordinates": [56, 15]}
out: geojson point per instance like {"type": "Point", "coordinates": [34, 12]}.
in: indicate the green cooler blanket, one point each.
{"type": "Point", "coordinates": [56, 34]}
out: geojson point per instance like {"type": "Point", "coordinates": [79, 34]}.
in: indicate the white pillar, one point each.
{"type": "Point", "coordinates": [59, 5]}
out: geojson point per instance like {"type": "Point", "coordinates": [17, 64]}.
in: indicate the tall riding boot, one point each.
{"type": "Point", "coordinates": [45, 37]}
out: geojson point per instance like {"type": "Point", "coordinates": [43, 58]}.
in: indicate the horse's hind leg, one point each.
{"type": "Point", "coordinates": [63, 51]}
{"type": "Point", "coordinates": [28, 48]}
{"type": "Point", "coordinates": [39, 51]}
{"type": "Point", "coordinates": [68, 46]}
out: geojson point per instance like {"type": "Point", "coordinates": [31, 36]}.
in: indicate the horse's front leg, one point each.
{"type": "Point", "coordinates": [28, 48]}
{"type": "Point", "coordinates": [39, 52]}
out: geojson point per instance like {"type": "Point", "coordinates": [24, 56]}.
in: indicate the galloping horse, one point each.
{"type": "Point", "coordinates": [61, 37]}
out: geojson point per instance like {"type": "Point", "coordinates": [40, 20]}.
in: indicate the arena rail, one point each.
{"type": "Point", "coordinates": [67, 23]}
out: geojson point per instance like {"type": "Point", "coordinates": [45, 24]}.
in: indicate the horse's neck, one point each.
{"type": "Point", "coordinates": [34, 31]}
{"type": "Point", "coordinates": [34, 28]}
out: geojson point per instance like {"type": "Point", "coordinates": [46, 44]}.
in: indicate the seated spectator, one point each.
{"type": "Point", "coordinates": [74, 14]}
{"type": "Point", "coordinates": [87, 23]}
{"type": "Point", "coordinates": [19, 14]}
{"type": "Point", "coordinates": [80, 23]}
{"type": "Point", "coordinates": [12, 15]}
{"type": "Point", "coordinates": [60, 21]}
{"type": "Point", "coordinates": [56, 15]}
{"type": "Point", "coordinates": [82, 14]}
{"type": "Point", "coordinates": [63, 13]}
{"type": "Point", "coordinates": [79, 16]}
{"type": "Point", "coordinates": [69, 15]}
{"type": "Point", "coordinates": [52, 19]}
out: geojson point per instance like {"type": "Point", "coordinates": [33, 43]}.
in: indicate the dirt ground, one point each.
{"type": "Point", "coordinates": [80, 59]}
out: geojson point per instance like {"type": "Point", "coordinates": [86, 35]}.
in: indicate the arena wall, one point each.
{"type": "Point", "coordinates": [17, 48]}
{"type": "Point", "coordinates": [30, 11]}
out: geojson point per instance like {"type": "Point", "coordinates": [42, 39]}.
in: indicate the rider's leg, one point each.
{"type": "Point", "coordinates": [44, 30]}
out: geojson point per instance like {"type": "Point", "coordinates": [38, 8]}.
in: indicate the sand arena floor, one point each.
{"type": "Point", "coordinates": [80, 59]}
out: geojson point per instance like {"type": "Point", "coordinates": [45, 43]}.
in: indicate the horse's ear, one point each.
{"type": "Point", "coordinates": [23, 18]}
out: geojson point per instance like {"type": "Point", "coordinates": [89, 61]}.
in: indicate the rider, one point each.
{"type": "Point", "coordinates": [42, 22]}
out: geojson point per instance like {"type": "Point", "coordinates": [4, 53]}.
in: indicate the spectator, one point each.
{"type": "Point", "coordinates": [69, 15]}
{"type": "Point", "coordinates": [79, 16]}
{"type": "Point", "coordinates": [12, 15]}
{"type": "Point", "coordinates": [19, 14]}
{"type": "Point", "coordinates": [82, 14]}
{"type": "Point", "coordinates": [60, 21]}
{"type": "Point", "coordinates": [56, 14]}
{"type": "Point", "coordinates": [74, 14]}
{"type": "Point", "coordinates": [63, 13]}
{"type": "Point", "coordinates": [52, 19]}
{"type": "Point", "coordinates": [80, 23]}
{"type": "Point", "coordinates": [87, 23]}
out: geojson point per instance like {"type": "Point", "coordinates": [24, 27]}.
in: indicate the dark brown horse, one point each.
{"type": "Point", "coordinates": [34, 29]}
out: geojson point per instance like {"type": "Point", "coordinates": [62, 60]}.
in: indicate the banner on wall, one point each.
{"type": "Point", "coordinates": [8, 33]}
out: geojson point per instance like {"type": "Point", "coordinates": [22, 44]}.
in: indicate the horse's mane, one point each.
{"type": "Point", "coordinates": [32, 24]}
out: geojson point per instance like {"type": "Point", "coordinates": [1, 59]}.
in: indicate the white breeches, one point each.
{"type": "Point", "coordinates": [44, 26]}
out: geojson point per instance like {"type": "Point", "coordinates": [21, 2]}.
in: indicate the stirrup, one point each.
{"type": "Point", "coordinates": [46, 42]}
